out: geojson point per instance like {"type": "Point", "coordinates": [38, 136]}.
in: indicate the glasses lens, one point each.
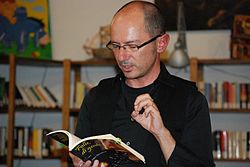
{"type": "Point", "coordinates": [132, 47]}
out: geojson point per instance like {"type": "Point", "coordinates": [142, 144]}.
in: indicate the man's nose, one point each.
{"type": "Point", "coordinates": [122, 53]}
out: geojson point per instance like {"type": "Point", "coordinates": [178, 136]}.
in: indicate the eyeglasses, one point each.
{"type": "Point", "coordinates": [129, 47]}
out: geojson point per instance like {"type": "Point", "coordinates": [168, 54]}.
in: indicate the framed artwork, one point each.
{"type": "Point", "coordinates": [25, 28]}
{"type": "Point", "coordinates": [204, 14]}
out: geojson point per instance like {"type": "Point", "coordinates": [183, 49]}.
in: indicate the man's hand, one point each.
{"type": "Point", "coordinates": [151, 120]}
{"type": "Point", "coordinates": [80, 163]}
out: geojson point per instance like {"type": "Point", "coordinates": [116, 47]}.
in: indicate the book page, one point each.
{"type": "Point", "coordinates": [64, 137]}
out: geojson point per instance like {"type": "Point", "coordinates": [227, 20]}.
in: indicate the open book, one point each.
{"type": "Point", "coordinates": [106, 148]}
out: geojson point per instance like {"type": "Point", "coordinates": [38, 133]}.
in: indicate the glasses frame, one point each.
{"type": "Point", "coordinates": [137, 46]}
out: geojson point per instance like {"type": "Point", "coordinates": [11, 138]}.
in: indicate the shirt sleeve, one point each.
{"type": "Point", "coordinates": [194, 149]}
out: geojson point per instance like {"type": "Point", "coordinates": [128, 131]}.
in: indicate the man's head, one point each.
{"type": "Point", "coordinates": [153, 19]}
{"type": "Point", "coordinates": [137, 39]}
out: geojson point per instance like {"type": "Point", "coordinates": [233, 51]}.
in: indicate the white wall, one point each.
{"type": "Point", "coordinates": [73, 22]}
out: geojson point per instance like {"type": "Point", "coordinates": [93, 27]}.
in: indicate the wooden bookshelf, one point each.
{"type": "Point", "coordinates": [11, 109]}
{"type": "Point", "coordinates": [197, 75]}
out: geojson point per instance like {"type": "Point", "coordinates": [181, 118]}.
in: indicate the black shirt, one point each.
{"type": "Point", "coordinates": [183, 109]}
{"type": "Point", "coordinates": [123, 126]}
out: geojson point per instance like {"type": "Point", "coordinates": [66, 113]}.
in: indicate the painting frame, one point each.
{"type": "Point", "coordinates": [204, 14]}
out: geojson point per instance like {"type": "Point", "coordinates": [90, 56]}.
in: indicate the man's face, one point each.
{"type": "Point", "coordinates": [129, 29]}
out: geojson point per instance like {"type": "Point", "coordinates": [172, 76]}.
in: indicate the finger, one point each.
{"type": "Point", "coordinates": [142, 97]}
{"type": "Point", "coordinates": [87, 164]}
{"type": "Point", "coordinates": [96, 163]}
{"type": "Point", "coordinates": [144, 103]}
{"type": "Point", "coordinates": [149, 110]}
{"type": "Point", "coordinates": [76, 161]}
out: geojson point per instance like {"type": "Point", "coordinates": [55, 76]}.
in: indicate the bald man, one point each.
{"type": "Point", "coordinates": [162, 116]}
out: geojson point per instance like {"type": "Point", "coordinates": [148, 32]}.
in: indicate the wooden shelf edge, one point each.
{"type": "Point", "coordinates": [229, 110]}
{"type": "Point", "coordinates": [31, 61]}
{"type": "Point", "coordinates": [233, 160]}
{"type": "Point", "coordinates": [99, 62]}
{"type": "Point", "coordinates": [223, 61]}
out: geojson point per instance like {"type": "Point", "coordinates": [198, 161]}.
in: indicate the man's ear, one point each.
{"type": "Point", "coordinates": [162, 43]}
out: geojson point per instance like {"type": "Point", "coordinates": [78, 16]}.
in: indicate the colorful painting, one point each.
{"type": "Point", "coordinates": [204, 14]}
{"type": "Point", "coordinates": [25, 29]}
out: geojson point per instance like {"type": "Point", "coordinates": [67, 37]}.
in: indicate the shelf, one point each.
{"type": "Point", "coordinates": [95, 62]}
{"type": "Point", "coordinates": [75, 111]}
{"type": "Point", "coordinates": [3, 158]}
{"type": "Point", "coordinates": [4, 110]}
{"type": "Point", "coordinates": [32, 61]}
{"type": "Point", "coordinates": [99, 62]}
{"type": "Point", "coordinates": [223, 61]}
{"type": "Point", "coordinates": [233, 160]}
{"type": "Point", "coordinates": [229, 110]}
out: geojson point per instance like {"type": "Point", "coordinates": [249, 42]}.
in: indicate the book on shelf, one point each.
{"type": "Point", "coordinates": [3, 141]}
{"type": "Point", "coordinates": [37, 96]}
{"type": "Point", "coordinates": [26, 98]}
{"type": "Point", "coordinates": [2, 91]}
{"type": "Point", "coordinates": [226, 95]}
{"type": "Point", "coordinates": [52, 96]}
{"type": "Point", "coordinates": [81, 89]}
{"type": "Point", "coordinates": [106, 148]}
{"type": "Point", "coordinates": [231, 144]}
{"type": "Point", "coordinates": [45, 95]}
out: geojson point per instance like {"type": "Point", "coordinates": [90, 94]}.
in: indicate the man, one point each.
{"type": "Point", "coordinates": [161, 116]}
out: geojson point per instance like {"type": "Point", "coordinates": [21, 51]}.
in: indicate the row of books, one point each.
{"type": "Point", "coordinates": [81, 89]}
{"type": "Point", "coordinates": [29, 142]}
{"type": "Point", "coordinates": [31, 96]}
{"type": "Point", "coordinates": [231, 144]}
{"type": "Point", "coordinates": [226, 95]}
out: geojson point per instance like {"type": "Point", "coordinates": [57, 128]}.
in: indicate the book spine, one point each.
{"type": "Point", "coordinates": [24, 96]}
{"type": "Point", "coordinates": [3, 141]}
{"type": "Point", "coordinates": [79, 94]}
{"type": "Point", "coordinates": [46, 104]}
{"type": "Point", "coordinates": [243, 96]}
{"type": "Point", "coordinates": [243, 145]}
{"type": "Point", "coordinates": [217, 146]}
{"type": "Point", "coordinates": [52, 96]}
{"type": "Point", "coordinates": [248, 95]}
{"type": "Point", "coordinates": [2, 90]}
{"type": "Point", "coordinates": [225, 94]}
{"type": "Point", "coordinates": [219, 95]}
{"type": "Point", "coordinates": [224, 144]}
{"type": "Point", "coordinates": [37, 98]}
{"type": "Point", "coordinates": [47, 96]}
{"type": "Point", "coordinates": [248, 144]}
{"type": "Point", "coordinates": [237, 96]}
{"type": "Point", "coordinates": [30, 95]}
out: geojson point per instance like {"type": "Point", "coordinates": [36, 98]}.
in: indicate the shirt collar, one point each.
{"type": "Point", "coordinates": [164, 77]}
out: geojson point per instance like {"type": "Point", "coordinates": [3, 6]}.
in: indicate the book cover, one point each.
{"type": "Point", "coordinates": [106, 148]}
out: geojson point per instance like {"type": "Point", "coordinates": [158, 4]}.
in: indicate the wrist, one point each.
{"type": "Point", "coordinates": [166, 141]}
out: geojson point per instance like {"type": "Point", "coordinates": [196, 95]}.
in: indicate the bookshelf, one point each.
{"type": "Point", "coordinates": [11, 109]}
{"type": "Point", "coordinates": [74, 67]}
{"type": "Point", "coordinates": [197, 74]}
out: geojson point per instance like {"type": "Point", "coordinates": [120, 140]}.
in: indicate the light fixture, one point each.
{"type": "Point", "coordinates": [179, 57]}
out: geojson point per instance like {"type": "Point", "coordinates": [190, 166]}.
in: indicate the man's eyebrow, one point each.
{"type": "Point", "coordinates": [127, 42]}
